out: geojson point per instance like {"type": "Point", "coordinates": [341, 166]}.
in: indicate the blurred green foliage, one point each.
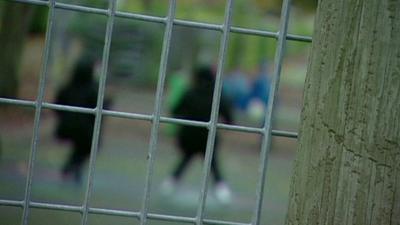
{"type": "Point", "coordinates": [39, 21]}
{"type": "Point", "coordinates": [245, 51]}
{"type": "Point", "coordinates": [275, 5]}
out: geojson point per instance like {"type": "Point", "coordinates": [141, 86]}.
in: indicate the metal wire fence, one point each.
{"type": "Point", "coordinates": [155, 118]}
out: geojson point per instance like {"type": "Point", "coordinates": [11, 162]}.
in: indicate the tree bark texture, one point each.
{"type": "Point", "coordinates": [347, 168]}
{"type": "Point", "coordinates": [14, 27]}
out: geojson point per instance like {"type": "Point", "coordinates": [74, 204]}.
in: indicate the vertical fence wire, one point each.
{"type": "Point", "coordinates": [266, 142]}
{"type": "Point", "coordinates": [214, 111]}
{"type": "Point", "coordinates": [38, 112]}
{"type": "Point", "coordinates": [99, 110]}
{"type": "Point", "coordinates": [157, 110]}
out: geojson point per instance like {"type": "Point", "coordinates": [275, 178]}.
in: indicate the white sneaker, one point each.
{"type": "Point", "coordinates": [168, 186]}
{"type": "Point", "coordinates": [223, 193]}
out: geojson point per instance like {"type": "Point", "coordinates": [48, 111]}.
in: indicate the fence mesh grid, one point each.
{"type": "Point", "coordinates": [155, 118]}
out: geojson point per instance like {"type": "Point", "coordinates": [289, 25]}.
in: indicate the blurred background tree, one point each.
{"type": "Point", "coordinates": [15, 22]}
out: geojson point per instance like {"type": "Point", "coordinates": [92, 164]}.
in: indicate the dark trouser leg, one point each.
{"type": "Point", "coordinates": [182, 165]}
{"type": "Point", "coordinates": [80, 153]}
{"type": "Point", "coordinates": [215, 168]}
{"type": "Point", "coordinates": [70, 163]}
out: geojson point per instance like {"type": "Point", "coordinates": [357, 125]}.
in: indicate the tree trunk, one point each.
{"type": "Point", "coordinates": [14, 27]}
{"type": "Point", "coordinates": [347, 168]}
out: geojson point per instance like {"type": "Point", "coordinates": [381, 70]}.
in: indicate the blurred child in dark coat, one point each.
{"type": "Point", "coordinates": [81, 90]}
{"type": "Point", "coordinates": [195, 104]}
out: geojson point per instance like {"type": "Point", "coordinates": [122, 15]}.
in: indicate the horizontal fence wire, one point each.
{"type": "Point", "coordinates": [146, 117]}
{"type": "Point", "coordinates": [114, 212]}
{"type": "Point", "coordinates": [169, 21]}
